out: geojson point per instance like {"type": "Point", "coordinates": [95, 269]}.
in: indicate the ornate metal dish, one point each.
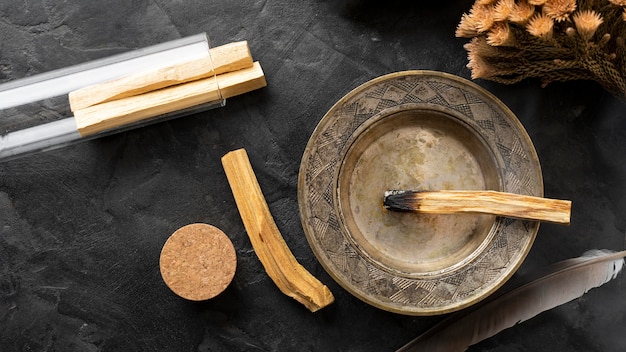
{"type": "Point", "coordinates": [416, 130]}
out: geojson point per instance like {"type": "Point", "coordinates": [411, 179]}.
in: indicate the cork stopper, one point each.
{"type": "Point", "coordinates": [198, 262]}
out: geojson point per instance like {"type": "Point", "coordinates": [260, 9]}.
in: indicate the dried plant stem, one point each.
{"type": "Point", "coordinates": [562, 40]}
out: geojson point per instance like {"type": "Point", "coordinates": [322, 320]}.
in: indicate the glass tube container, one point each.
{"type": "Point", "coordinates": [35, 112]}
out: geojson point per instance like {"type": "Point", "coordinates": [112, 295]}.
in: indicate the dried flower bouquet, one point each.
{"type": "Point", "coordinates": [553, 40]}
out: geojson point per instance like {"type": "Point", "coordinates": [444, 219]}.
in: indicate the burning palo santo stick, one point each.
{"type": "Point", "coordinates": [222, 59]}
{"type": "Point", "coordinates": [488, 202]}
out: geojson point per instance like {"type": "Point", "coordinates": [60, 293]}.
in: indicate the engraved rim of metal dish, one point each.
{"type": "Point", "coordinates": [489, 266]}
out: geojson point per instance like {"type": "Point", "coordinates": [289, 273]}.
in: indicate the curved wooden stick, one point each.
{"type": "Point", "coordinates": [279, 263]}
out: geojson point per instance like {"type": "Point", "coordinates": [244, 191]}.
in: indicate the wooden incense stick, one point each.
{"type": "Point", "coordinates": [222, 59]}
{"type": "Point", "coordinates": [488, 202]}
{"type": "Point", "coordinates": [121, 112]}
{"type": "Point", "coordinates": [282, 267]}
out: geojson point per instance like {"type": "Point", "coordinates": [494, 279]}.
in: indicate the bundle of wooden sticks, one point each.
{"type": "Point", "coordinates": [226, 71]}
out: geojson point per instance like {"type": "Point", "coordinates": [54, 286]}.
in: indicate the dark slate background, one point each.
{"type": "Point", "coordinates": [81, 228]}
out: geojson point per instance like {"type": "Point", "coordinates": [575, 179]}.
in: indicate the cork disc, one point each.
{"type": "Point", "coordinates": [198, 262]}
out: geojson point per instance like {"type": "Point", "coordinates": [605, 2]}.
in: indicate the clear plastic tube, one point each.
{"type": "Point", "coordinates": [62, 131]}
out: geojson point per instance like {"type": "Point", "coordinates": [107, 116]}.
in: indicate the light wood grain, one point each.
{"type": "Point", "coordinates": [125, 111]}
{"type": "Point", "coordinates": [222, 59]}
{"type": "Point", "coordinates": [488, 202]}
{"type": "Point", "coordinates": [282, 267]}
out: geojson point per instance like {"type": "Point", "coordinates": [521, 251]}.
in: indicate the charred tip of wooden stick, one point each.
{"type": "Point", "coordinates": [399, 200]}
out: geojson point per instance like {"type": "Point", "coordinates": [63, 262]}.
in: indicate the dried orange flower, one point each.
{"type": "Point", "coordinates": [624, 15]}
{"type": "Point", "coordinates": [467, 28]}
{"type": "Point", "coordinates": [482, 17]}
{"type": "Point", "coordinates": [559, 10]}
{"type": "Point", "coordinates": [537, 2]}
{"type": "Point", "coordinates": [521, 12]}
{"type": "Point", "coordinates": [502, 10]}
{"type": "Point", "coordinates": [479, 67]}
{"type": "Point", "coordinates": [485, 2]}
{"type": "Point", "coordinates": [541, 26]}
{"type": "Point", "coordinates": [479, 46]}
{"type": "Point", "coordinates": [587, 21]}
{"type": "Point", "coordinates": [618, 2]}
{"type": "Point", "coordinates": [500, 35]}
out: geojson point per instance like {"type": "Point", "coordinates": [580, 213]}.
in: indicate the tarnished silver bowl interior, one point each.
{"type": "Point", "coordinates": [414, 149]}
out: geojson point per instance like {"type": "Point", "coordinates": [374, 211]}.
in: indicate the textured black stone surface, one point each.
{"type": "Point", "coordinates": [81, 228]}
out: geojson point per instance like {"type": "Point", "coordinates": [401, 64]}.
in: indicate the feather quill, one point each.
{"type": "Point", "coordinates": [559, 284]}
